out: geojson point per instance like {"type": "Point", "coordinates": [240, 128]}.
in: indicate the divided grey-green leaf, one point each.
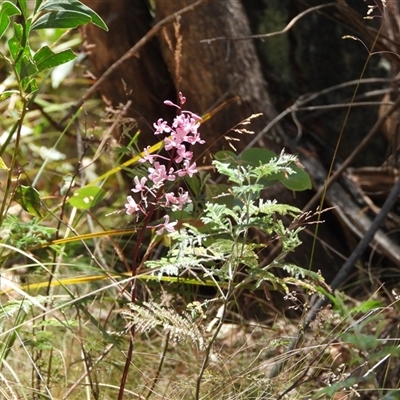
{"type": "Point", "coordinates": [7, 10]}
{"type": "Point", "coordinates": [74, 6]}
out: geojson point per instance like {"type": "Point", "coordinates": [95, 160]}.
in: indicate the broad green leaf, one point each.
{"type": "Point", "coordinates": [27, 67]}
{"type": "Point", "coordinates": [61, 19]}
{"type": "Point", "coordinates": [14, 44]}
{"type": "Point", "coordinates": [28, 198]}
{"type": "Point", "coordinates": [73, 5]}
{"type": "Point", "coordinates": [7, 10]}
{"type": "Point", "coordinates": [87, 197]}
{"type": "Point", "coordinates": [7, 93]}
{"type": "Point", "coordinates": [300, 180]}
{"type": "Point", "coordinates": [194, 184]}
{"type": "Point", "coordinates": [45, 58]}
{"type": "Point", "coordinates": [219, 194]}
{"type": "Point", "coordinates": [256, 156]}
{"type": "Point", "coordinates": [27, 71]}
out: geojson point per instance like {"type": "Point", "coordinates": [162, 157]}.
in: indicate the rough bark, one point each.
{"type": "Point", "coordinates": [144, 79]}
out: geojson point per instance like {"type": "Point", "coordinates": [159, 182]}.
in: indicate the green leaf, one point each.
{"type": "Point", "coordinates": [73, 5]}
{"type": "Point", "coordinates": [7, 10]}
{"type": "Point", "coordinates": [256, 156]}
{"type": "Point", "coordinates": [27, 70]}
{"type": "Point", "coordinates": [45, 58]}
{"type": "Point", "coordinates": [61, 19]}
{"type": "Point", "coordinates": [29, 85]}
{"type": "Point", "coordinates": [87, 197]}
{"type": "Point", "coordinates": [300, 180]}
{"type": "Point", "coordinates": [14, 44]}
{"type": "Point", "coordinates": [27, 67]}
{"type": "Point", "coordinates": [273, 207]}
{"type": "Point", "coordinates": [28, 198]}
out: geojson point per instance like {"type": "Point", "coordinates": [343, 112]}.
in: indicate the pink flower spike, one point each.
{"type": "Point", "coordinates": [140, 186]}
{"type": "Point", "coordinates": [168, 226]}
{"type": "Point", "coordinates": [170, 103]}
{"type": "Point", "coordinates": [161, 127]}
{"type": "Point", "coordinates": [131, 206]}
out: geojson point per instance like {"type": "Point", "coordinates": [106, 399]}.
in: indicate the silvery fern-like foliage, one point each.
{"type": "Point", "coordinates": [181, 326]}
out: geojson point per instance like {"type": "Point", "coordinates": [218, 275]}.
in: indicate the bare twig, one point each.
{"type": "Point", "coordinates": [284, 30]}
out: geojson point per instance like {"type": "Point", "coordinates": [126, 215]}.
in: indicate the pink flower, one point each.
{"type": "Point", "coordinates": [188, 169]}
{"type": "Point", "coordinates": [161, 127]}
{"type": "Point", "coordinates": [177, 202]}
{"type": "Point", "coordinates": [170, 199]}
{"type": "Point", "coordinates": [182, 98]}
{"type": "Point", "coordinates": [159, 174]}
{"type": "Point", "coordinates": [131, 206]}
{"type": "Point", "coordinates": [140, 185]}
{"type": "Point", "coordinates": [195, 139]}
{"type": "Point", "coordinates": [183, 199]}
{"type": "Point", "coordinates": [168, 226]}
{"type": "Point", "coordinates": [182, 133]}
{"type": "Point", "coordinates": [148, 157]}
{"type": "Point", "coordinates": [170, 103]}
{"type": "Point", "coordinates": [182, 154]}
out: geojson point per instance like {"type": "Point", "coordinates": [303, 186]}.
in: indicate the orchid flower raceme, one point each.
{"type": "Point", "coordinates": [181, 134]}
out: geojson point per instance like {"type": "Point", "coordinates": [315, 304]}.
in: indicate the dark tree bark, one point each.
{"type": "Point", "coordinates": [145, 79]}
